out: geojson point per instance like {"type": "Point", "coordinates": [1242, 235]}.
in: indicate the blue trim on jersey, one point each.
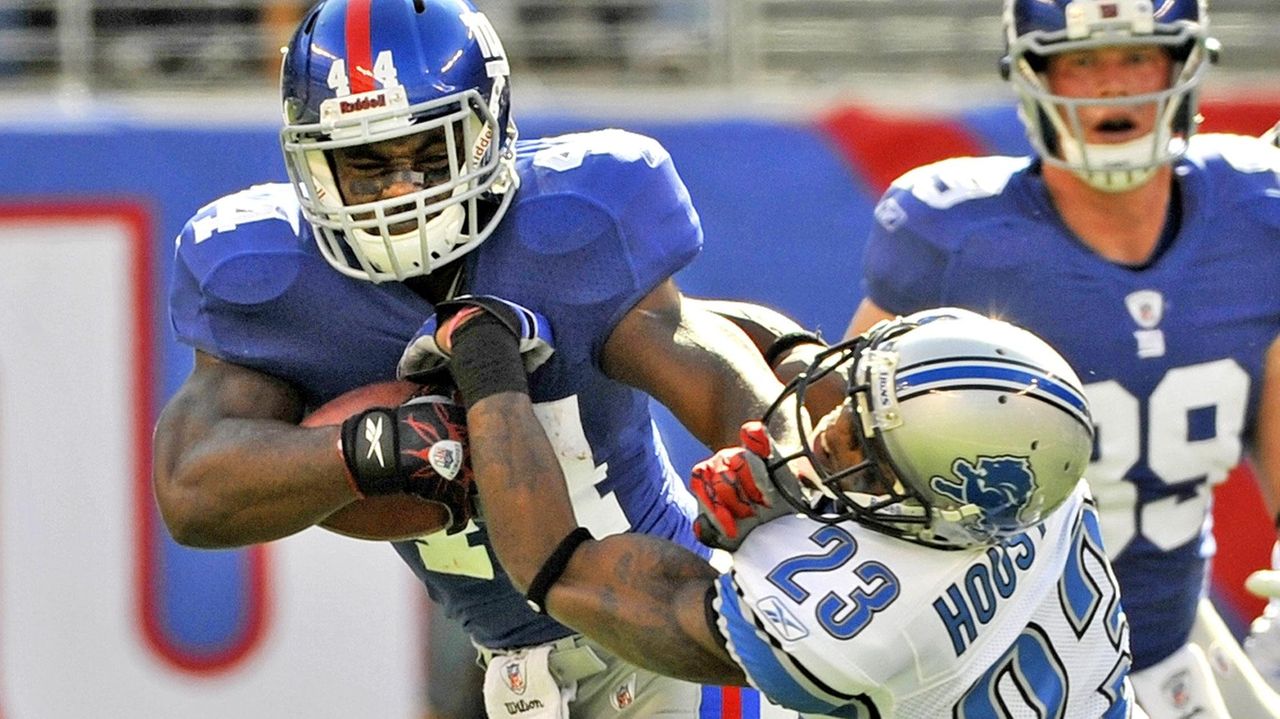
{"type": "Point", "coordinates": [750, 700]}
{"type": "Point", "coordinates": [958, 373]}
{"type": "Point", "coordinates": [762, 666]}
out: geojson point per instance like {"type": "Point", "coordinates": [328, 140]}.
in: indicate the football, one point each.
{"type": "Point", "coordinates": [389, 517]}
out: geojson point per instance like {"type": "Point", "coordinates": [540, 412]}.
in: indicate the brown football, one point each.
{"type": "Point", "coordinates": [388, 517]}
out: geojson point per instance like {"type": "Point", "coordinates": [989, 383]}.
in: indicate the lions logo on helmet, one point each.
{"type": "Point", "coordinates": [1001, 486]}
{"type": "Point", "coordinates": [930, 391]}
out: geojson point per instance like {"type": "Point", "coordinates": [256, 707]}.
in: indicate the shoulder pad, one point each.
{"type": "Point", "coordinates": [228, 244]}
{"type": "Point", "coordinates": [1243, 153]}
{"type": "Point", "coordinates": [947, 183]}
{"type": "Point", "coordinates": [567, 152]}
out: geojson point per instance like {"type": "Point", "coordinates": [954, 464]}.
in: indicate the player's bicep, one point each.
{"type": "Point", "coordinates": [643, 598]}
{"type": "Point", "coordinates": [696, 363]}
{"type": "Point", "coordinates": [216, 391]}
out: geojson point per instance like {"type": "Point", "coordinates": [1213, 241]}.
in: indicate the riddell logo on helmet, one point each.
{"type": "Point", "coordinates": [364, 103]}
{"type": "Point", "coordinates": [482, 145]}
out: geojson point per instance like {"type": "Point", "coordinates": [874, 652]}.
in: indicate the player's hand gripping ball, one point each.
{"type": "Point", "coordinates": [406, 446]}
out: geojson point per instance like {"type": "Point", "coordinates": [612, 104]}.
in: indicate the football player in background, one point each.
{"type": "Point", "coordinates": [1148, 257]}
{"type": "Point", "coordinates": [951, 566]}
{"type": "Point", "coordinates": [408, 188]}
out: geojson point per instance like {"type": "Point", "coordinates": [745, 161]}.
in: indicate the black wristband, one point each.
{"type": "Point", "coordinates": [486, 359]}
{"type": "Point", "coordinates": [553, 568]}
{"type": "Point", "coordinates": [788, 341]}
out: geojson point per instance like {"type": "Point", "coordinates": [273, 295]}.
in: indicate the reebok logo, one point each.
{"type": "Point", "coordinates": [373, 435]}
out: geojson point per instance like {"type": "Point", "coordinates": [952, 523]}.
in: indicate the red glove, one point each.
{"type": "Point", "coordinates": [735, 492]}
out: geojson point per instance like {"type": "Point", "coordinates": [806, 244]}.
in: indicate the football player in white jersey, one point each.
{"type": "Point", "coordinates": [1146, 253]}
{"type": "Point", "coordinates": [942, 557]}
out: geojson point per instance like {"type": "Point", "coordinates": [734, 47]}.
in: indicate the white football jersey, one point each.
{"type": "Point", "coordinates": [840, 620]}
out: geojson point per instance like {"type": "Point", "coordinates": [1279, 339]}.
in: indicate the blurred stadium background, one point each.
{"type": "Point", "coordinates": [120, 118]}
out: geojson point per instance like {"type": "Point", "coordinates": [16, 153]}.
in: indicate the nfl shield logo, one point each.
{"type": "Point", "coordinates": [513, 672]}
{"type": "Point", "coordinates": [446, 458]}
{"type": "Point", "coordinates": [624, 694]}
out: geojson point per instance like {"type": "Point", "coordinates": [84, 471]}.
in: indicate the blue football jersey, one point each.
{"type": "Point", "coordinates": [600, 219]}
{"type": "Point", "coordinates": [1171, 353]}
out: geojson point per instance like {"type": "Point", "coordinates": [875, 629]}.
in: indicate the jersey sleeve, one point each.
{"type": "Point", "coordinates": [235, 254]}
{"type": "Point", "coordinates": [901, 266]}
{"type": "Point", "coordinates": [603, 220]}
{"type": "Point", "coordinates": [926, 219]}
{"type": "Point", "coordinates": [1244, 174]}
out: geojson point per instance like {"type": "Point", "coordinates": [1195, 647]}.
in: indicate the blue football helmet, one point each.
{"type": "Point", "coordinates": [971, 430]}
{"type": "Point", "coordinates": [359, 72]}
{"type": "Point", "coordinates": [1036, 29]}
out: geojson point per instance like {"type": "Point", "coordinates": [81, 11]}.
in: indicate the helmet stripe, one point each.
{"type": "Point", "coordinates": [359, 52]}
{"type": "Point", "coordinates": [928, 379]}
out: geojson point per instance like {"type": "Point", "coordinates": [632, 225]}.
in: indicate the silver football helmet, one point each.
{"type": "Point", "coordinates": [971, 430]}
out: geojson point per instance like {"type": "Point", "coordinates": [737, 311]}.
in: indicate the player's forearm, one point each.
{"type": "Point", "coordinates": [639, 596]}
{"type": "Point", "coordinates": [764, 326]}
{"type": "Point", "coordinates": [522, 489]}
{"type": "Point", "coordinates": [761, 324]}
{"type": "Point", "coordinates": [239, 482]}
{"type": "Point", "coordinates": [643, 599]}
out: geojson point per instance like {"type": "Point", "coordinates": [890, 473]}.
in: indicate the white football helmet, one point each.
{"type": "Point", "coordinates": [1036, 29]}
{"type": "Point", "coordinates": [971, 430]}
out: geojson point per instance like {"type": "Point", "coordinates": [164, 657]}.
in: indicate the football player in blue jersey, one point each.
{"type": "Point", "coordinates": [1147, 255]}
{"type": "Point", "coordinates": [951, 565]}
{"type": "Point", "coordinates": [408, 188]}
